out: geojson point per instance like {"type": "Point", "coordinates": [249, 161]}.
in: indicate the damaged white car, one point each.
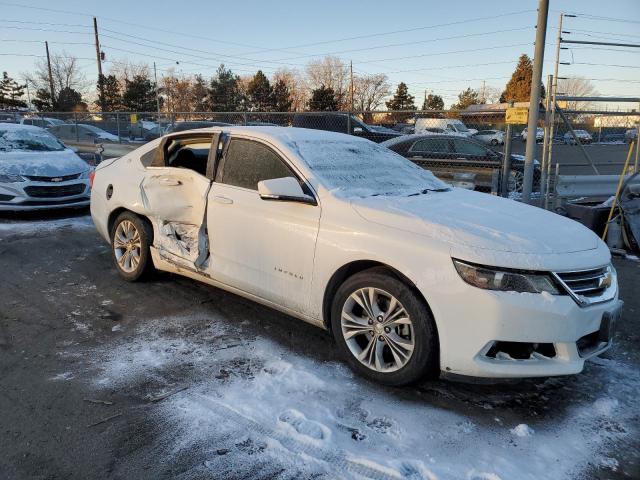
{"type": "Point", "coordinates": [412, 277]}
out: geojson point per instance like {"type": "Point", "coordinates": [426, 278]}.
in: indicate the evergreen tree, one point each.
{"type": "Point", "coordinates": [433, 102]}
{"type": "Point", "coordinates": [11, 92]}
{"type": "Point", "coordinates": [139, 94]}
{"type": "Point", "coordinates": [109, 97]}
{"type": "Point", "coordinates": [282, 100]}
{"type": "Point", "coordinates": [465, 98]}
{"type": "Point", "coordinates": [518, 88]}
{"type": "Point", "coordinates": [69, 100]}
{"type": "Point", "coordinates": [199, 94]}
{"type": "Point", "coordinates": [42, 100]}
{"type": "Point", "coordinates": [323, 99]}
{"type": "Point", "coordinates": [224, 93]}
{"type": "Point", "coordinates": [260, 93]}
{"type": "Point", "coordinates": [401, 99]}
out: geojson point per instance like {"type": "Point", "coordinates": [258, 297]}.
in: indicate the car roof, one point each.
{"type": "Point", "coordinates": [420, 136]}
{"type": "Point", "coordinates": [20, 126]}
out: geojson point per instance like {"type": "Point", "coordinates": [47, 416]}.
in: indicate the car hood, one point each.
{"type": "Point", "coordinates": [42, 164]}
{"type": "Point", "coordinates": [479, 220]}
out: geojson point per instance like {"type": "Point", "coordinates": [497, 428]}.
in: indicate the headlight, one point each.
{"type": "Point", "coordinates": [85, 174]}
{"type": "Point", "coordinates": [10, 178]}
{"type": "Point", "coordinates": [505, 280]}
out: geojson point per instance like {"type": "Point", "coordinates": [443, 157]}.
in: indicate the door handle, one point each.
{"type": "Point", "coordinates": [221, 199]}
{"type": "Point", "coordinates": [170, 182]}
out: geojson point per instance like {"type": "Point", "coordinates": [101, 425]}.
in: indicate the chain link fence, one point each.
{"type": "Point", "coordinates": [465, 148]}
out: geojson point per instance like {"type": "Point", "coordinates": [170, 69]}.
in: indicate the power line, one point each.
{"type": "Point", "coordinates": [600, 17]}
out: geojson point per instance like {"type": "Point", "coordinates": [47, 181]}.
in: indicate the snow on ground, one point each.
{"type": "Point", "coordinates": [26, 227]}
{"type": "Point", "coordinates": [253, 408]}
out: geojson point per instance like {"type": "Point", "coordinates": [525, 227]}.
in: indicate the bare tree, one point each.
{"type": "Point", "coordinates": [298, 91]}
{"type": "Point", "coordinates": [125, 70]}
{"type": "Point", "coordinates": [369, 91]}
{"type": "Point", "coordinates": [178, 93]}
{"type": "Point", "coordinates": [65, 72]}
{"type": "Point", "coordinates": [332, 73]}
{"type": "Point", "coordinates": [577, 87]}
{"type": "Point", "coordinates": [489, 94]}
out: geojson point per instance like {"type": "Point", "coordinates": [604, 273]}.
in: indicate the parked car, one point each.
{"type": "Point", "coordinates": [450, 125]}
{"type": "Point", "coordinates": [446, 155]}
{"type": "Point", "coordinates": [342, 123]}
{"type": "Point", "coordinates": [631, 135]}
{"type": "Point", "coordinates": [539, 134]}
{"type": "Point", "coordinates": [412, 277]}
{"type": "Point", "coordinates": [490, 137]}
{"type": "Point", "coordinates": [407, 128]}
{"type": "Point", "coordinates": [193, 125]}
{"type": "Point", "coordinates": [145, 129]}
{"type": "Point", "coordinates": [38, 172]}
{"type": "Point", "coordinates": [42, 122]}
{"type": "Point", "coordinates": [10, 117]}
{"type": "Point", "coordinates": [583, 137]}
{"type": "Point", "coordinates": [82, 133]}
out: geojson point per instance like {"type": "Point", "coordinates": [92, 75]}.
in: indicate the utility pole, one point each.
{"type": "Point", "coordinates": [534, 101]}
{"type": "Point", "coordinates": [99, 59]}
{"type": "Point", "coordinates": [351, 87]}
{"type": "Point", "coordinates": [53, 95]}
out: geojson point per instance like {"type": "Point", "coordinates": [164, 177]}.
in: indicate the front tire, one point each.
{"type": "Point", "coordinates": [384, 330]}
{"type": "Point", "coordinates": [131, 238]}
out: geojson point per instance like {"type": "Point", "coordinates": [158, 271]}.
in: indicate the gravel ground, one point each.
{"type": "Point", "coordinates": [175, 379]}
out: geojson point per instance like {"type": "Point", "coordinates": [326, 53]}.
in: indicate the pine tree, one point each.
{"type": "Point", "coordinates": [323, 99]}
{"type": "Point", "coordinates": [42, 100]}
{"type": "Point", "coordinates": [224, 93]}
{"type": "Point", "coordinates": [260, 93]}
{"type": "Point", "coordinates": [109, 97]}
{"type": "Point", "coordinates": [401, 99]}
{"type": "Point", "coordinates": [282, 100]}
{"type": "Point", "coordinates": [69, 100]}
{"type": "Point", "coordinates": [199, 94]}
{"type": "Point", "coordinates": [518, 88]}
{"type": "Point", "coordinates": [11, 92]}
{"type": "Point", "coordinates": [139, 94]}
{"type": "Point", "coordinates": [433, 102]}
{"type": "Point", "coordinates": [465, 98]}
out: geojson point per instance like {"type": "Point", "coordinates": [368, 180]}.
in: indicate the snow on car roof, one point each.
{"type": "Point", "coordinates": [13, 127]}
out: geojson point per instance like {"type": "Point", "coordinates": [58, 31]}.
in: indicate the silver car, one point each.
{"type": "Point", "coordinates": [38, 172]}
{"type": "Point", "coordinates": [490, 137]}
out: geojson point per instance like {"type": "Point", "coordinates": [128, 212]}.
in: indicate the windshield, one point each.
{"type": "Point", "coordinates": [27, 139]}
{"type": "Point", "coordinates": [461, 127]}
{"type": "Point", "coordinates": [362, 169]}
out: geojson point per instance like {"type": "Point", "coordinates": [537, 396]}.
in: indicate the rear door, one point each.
{"type": "Point", "coordinates": [435, 154]}
{"type": "Point", "coordinates": [478, 159]}
{"type": "Point", "coordinates": [174, 193]}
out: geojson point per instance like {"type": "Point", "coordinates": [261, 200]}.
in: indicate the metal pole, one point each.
{"type": "Point", "coordinates": [552, 95]}
{"type": "Point", "coordinates": [506, 162]}
{"type": "Point", "coordinates": [635, 163]}
{"type": "Point", "coordinates": [53, 95]}
{"type": "Point", "coordinates": [155, 77]}
{"type": "Point", "coordinates": [546, 138]}
{"type": "Point", "coordinates": [351, 87]}
{"type": "Point", "coordinates": [534, 101]}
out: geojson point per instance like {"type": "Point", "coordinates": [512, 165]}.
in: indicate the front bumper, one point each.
{"type": "Point", "coordinates": [474, 324]}
{"type": "Point", "coordinates": [37, 195]}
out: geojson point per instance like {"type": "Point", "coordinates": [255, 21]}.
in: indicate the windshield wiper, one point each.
{"type": "Point", "coordinates": [427, 190]}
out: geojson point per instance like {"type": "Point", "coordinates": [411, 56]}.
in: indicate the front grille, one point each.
{"type": "Point", "coordinates": [6, 198]}
{"type": "Point", "coordinates": [59, 178]}
{"type": "Point", "coordinates": [55, 191]}
{"type": "Point", "coordinates": [588, 286]}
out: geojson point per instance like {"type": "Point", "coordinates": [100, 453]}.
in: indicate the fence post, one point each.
{"type": "Point", "coordinates": [349, 123]}
{"type": "Point", "coordinates": [118, 126]}
{"type": "Point", "coordinates": [545, 141]}
{"type": "Point", "coordinates": [75, 122]}
{"type": "Point", "coordinates": [506, 162]}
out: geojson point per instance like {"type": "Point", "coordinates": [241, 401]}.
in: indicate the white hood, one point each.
{"type": "Point", "coordinates": [42, 164]}
{"type": "Point", "coordinates": [479, 220]}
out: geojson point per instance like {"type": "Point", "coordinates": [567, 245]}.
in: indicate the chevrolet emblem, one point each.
{"type": "Point", "coordinates": [56, 179]}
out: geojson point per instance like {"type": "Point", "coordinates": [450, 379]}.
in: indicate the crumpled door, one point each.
{"type": "Point", "coordinates": [176, 202]}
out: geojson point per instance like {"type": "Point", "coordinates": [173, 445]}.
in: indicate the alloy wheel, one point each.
{"type": "Point", "coordinates": [377, 329]}
{"type": "Point", "coordinates": [127, 246]}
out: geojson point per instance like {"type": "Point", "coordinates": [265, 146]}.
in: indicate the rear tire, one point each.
{"type": "Point", "coordinates": [384, 330]}
{"type": "Point", "coordinates": [131, 238]}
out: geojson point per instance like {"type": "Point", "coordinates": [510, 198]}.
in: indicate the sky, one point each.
{"type": "Point", "coordinates": [434, 47]}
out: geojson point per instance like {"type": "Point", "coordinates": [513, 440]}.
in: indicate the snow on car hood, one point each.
{"type": "Point", "coordinates": [42, 164]}
{"type": "Point", "coordinates": [478, 220]}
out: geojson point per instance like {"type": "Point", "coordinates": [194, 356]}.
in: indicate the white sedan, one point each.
{"type": "Point", "coordinates": [412, 277]}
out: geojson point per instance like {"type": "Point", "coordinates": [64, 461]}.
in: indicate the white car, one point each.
{"type": "Point", "coordinates": [412, 277]}
{"type": "Point", "coordinates": [38, 172]}
{"type": "Point", "coordinates": [539, 134]}
{"type": "Point", "coordinates": [583, 137]}
{"type": "Point", "coordinates": [490, 137]}
{"type": "Point", "coordinates": [448, 125]}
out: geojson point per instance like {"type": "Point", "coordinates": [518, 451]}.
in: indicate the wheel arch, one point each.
{"type": "Point", "coordinates": [117, 211]}
{"type": "Point", "coordinates": [357, 266]}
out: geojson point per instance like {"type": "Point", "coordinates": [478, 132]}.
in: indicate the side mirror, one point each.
{"type": "Point", "coordinates": [285, 189]}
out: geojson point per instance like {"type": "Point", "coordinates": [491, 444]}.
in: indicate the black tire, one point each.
{"type": "Point", "coordinates": [494, 142]}
{"type": "Point", "coordinates": [145, 266]}
{"type": "Point", "coordinates": [424, 360]}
